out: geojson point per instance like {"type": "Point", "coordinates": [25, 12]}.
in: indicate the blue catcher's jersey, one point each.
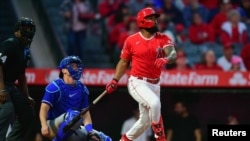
{"type": "Point", "coordinates": [62, 97]}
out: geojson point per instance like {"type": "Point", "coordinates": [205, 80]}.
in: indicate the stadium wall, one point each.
{"type": "Point", "coordinates": [210, 105]}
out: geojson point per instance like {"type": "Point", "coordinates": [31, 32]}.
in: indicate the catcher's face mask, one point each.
{"type": "Point", "coordinates": [75, 70]}
{"type": "Point", "coordinates": [74, 66]}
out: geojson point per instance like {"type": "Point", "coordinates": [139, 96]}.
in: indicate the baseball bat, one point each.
{"type": "Point", "coordinates": [78, 117]}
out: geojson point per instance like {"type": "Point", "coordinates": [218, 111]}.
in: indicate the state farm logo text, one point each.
{"type": "Point", "coordinates": [191, 78]}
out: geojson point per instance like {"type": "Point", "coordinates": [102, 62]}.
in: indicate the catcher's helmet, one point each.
{"type": "Point", "coordinates": [142, 14]}
{"type": "Point", "coordinates": [27, 28]}
{"type": "Point", "coordinates": [65, 63]}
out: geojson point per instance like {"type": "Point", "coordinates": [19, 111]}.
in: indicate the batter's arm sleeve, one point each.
{"type": "Point", "coordinates": [121, 68]}
{"type": "Point", "coordinates": [170, 53]}
{"type": "Point", "coordinates": [43, 113]}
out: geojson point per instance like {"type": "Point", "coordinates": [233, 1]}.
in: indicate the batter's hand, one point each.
{"type": "Point", "coordinates": [111, 86]}
{"type": "Point", "coordinates": [160, 62]}
{"type": "Point", "coordinates": [3, 97]}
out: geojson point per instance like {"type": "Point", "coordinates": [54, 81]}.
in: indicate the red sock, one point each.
{"type": "Point", "coordinates": [124, 138]}
{"type": "Point", "coordinates": [158, 129]}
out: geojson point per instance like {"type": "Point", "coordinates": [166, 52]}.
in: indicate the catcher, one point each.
{"type": "Point", "coordinates": [62, 101]}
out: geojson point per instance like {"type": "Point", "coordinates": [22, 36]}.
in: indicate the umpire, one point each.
{"type": "Point", "coordinates": [14, 99]}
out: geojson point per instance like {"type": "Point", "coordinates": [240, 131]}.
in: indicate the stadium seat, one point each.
{"type": "Point", "coordinates": [217, 48]}
{"type": "Point", "coordinates": [194, 59]}
{"type": "Point", "coordinates": [94, 54]}
{"type": "Point", "coordinates": [189, 48]}
{"type": "Point", "coordinates": [237, 48]}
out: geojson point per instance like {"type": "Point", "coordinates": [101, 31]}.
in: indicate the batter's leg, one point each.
{"type": "Point", "coordinates": [150, 109]}
{"type": "Point", "coordinates": [141, 125]}
{"type": "Point", "coordinates": [148, 95]}
{"type": "Point", "coordinates": [158, 129]}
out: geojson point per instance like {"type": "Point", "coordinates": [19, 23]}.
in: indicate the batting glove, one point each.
{"type": "Point", "coordinates": [111, 86]}
{"type": "Point", "coordinates": [160, 62]}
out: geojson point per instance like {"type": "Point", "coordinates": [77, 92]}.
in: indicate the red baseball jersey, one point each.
{"type": "Point", "coordinates": [142, 52]}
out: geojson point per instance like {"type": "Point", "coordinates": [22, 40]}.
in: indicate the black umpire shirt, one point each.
{"type": "Point", "coordinates": [14, 58]}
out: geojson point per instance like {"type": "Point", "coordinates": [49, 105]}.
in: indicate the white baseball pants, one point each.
{"type": "Point", "coordinates": [148, 97]}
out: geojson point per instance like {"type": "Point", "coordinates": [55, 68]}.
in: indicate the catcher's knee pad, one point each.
{"type": "Point", "coordinates": [69, 116]}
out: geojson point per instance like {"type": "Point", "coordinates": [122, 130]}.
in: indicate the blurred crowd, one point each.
{"type": "Point", "coordinates": [209, 34]}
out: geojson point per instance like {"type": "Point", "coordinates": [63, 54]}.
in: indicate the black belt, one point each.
{"type": "Point", "coordinates": [153, 81]}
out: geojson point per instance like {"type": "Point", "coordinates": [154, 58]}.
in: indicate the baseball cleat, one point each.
{"type": "Point", "coordinates": [124, 138]}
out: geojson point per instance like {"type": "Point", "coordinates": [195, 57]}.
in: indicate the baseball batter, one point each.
{"type": "Point", "coordinates": [148, 51]}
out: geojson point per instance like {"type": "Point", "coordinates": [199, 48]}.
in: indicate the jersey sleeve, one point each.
{"type": "Point", "coordinates": [166, 42]}
{"type": "Point", "coordinates": [52, 94]}
{"type": "Point", "coordinates": [126, 50]}
{"type": "Point", "coordinates": [4, 50]}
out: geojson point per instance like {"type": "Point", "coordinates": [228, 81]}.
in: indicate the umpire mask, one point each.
{"type": "Point", "coordinates": [27, 29]}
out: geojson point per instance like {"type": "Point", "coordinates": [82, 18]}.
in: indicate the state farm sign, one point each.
{"type": "Point", "coordinates": [100, 77]}
{"type": "Point", "coordinates": [30, 77]}
{"type": "Point", "coordinates": [191, 78]}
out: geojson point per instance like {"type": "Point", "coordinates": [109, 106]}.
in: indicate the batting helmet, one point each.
{"type": "Point", "coordinates": [142, 14]}
{"type": "Point", "coordinates": [27, 28]}
{"type": "Point", "coordinates": [66, 64]}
